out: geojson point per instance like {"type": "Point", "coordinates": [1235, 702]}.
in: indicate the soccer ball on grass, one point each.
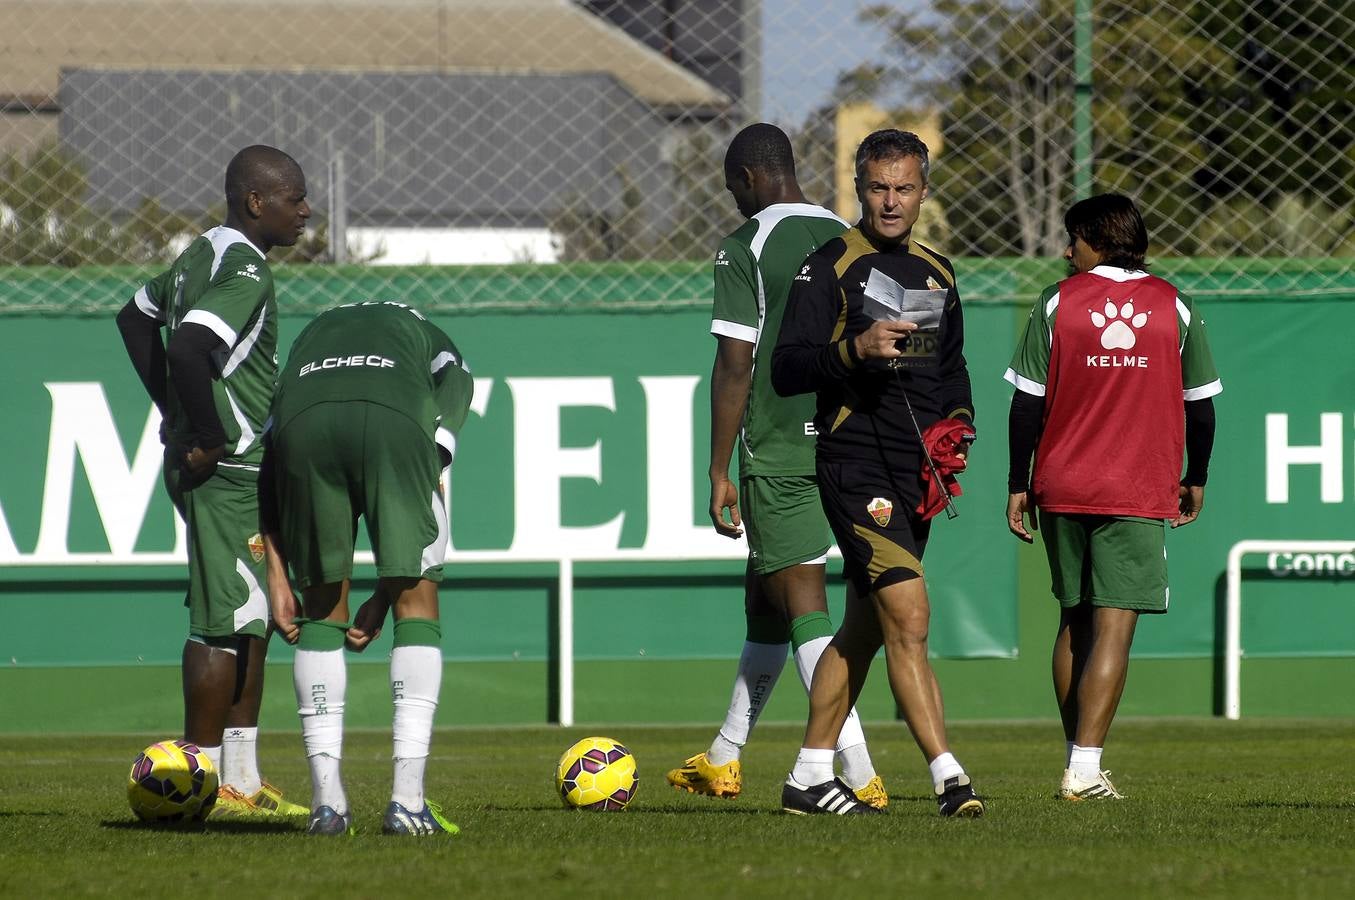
{"type": "Point", "coordinates": [597, 773]}
{"type": "Point", "coordinates": [172, 781]}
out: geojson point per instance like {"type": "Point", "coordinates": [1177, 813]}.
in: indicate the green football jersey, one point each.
{"type": "Point", "coordinates": [380, 352]}
{"type": "Point", "coordinates": [222, 282]}
{"type": "Point", "coordinates": [754, 268]}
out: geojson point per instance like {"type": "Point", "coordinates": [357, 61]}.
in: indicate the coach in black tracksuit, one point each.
{"type": "Point", "coordinates": [867, 372]}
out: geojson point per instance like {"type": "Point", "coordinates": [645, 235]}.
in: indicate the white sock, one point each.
{"type": "Point", "coordinates": [214, 754]}
{"type": "Point", "coordinates": [722, 751]}
{"type": "Point", "coordinates": [320, 678]}
{"type": "Point", "coordinates": [813, 766]}
{"type": "Point", "coordinates": [416, 680]}
{"type": "Point", "coordinates": [1085, 761]}
{"type": "Point", "coordinates": [943, 767]}
{"type": "Point", "coordinates": [857, 768]}
{"type": "Point", "coordinates": [759, 667]}
{"type": "Point", "coordinates": [240, 760]}
{"type": "Point", "coordinates": [807, 658]}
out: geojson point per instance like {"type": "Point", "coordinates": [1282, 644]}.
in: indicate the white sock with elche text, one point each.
{"type": "Point", "coordinates": [416, 681]}
{"type": "Point", "coordinates": [320, 678]}
{"type": "Point", "coordinates": [760, 666]}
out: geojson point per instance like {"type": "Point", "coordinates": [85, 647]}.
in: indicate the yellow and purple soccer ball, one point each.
{"type": "Point", "coordinates": [172, 781]}
{"type": "Point", "coordinates": [597, 773]}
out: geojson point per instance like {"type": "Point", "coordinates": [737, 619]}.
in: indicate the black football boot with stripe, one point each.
{"type": "Point", "coordinates": [830, 798]}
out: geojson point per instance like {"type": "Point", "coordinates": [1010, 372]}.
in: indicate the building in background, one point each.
{"type": "Point", "coordinates": [434, 131]}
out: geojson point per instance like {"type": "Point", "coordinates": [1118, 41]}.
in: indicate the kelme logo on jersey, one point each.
{"type": "Point", "coordinates": [256, 547]}
{"type": "Point", "coordinates": [804, 274]}
{"type": "Point", "coordinates": [722, 258]}
{"type": "Point", "coordinates": [881, 510]}
{"type": "Point", "coordinates": [250, 271]}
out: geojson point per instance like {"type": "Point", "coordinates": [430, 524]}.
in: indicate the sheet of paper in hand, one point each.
{"type": "Point", "coordinates": [887, 300]}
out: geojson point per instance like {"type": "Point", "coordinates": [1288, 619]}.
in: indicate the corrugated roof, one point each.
{"type": "Point", "coordinates": [545, 36]}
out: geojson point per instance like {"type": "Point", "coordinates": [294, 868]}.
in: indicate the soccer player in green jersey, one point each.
{"type": "Point", "coordinates": [212, 381]}
{"type": "Point", "coordinates": [365, 420]}
{"type": "Point", "coordinates": [777, 500]}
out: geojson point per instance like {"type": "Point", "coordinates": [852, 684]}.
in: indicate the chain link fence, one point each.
{"type": "Point", "coordinates": [548, 154]}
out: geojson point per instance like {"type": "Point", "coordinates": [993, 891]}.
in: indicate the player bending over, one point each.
{"type": "Point", "coordinates": [365, 420]}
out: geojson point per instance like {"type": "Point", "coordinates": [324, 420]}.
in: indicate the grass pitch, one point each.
{"type": "Point", "coordinates": [1251, 809]}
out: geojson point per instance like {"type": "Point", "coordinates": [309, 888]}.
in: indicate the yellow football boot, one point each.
{"type": "Point", "coordinates": [268, 800]}
{"type": "Point", "coordinates": [873, 793]}
{"type": "Point", "coordinates": [698, 776]}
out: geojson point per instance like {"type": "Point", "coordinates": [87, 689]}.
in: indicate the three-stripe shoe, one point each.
{"type": "Point", "coordinates": [956, 798]}
{"type": "Point", "coordinates": [429, 820]}
{"type": "Point", "coordinates": [1075, 787]}
{"type": "Point", "coordinates": [831, 798]}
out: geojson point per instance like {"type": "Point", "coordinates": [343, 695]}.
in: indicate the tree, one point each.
{"type": "Point", "coordinates": [1197, 106]}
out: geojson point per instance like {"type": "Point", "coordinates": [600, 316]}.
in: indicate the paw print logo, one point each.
{"type": "Point", "coordinates": [251, 269]}
{"type": "Point", "coordinates": [1119, 324]}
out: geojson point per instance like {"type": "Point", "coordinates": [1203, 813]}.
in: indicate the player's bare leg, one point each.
{"type": "Point", "coordinates": [1072, 645]}
{"type": "Point", "coordinates": [905, 614]}
{"type": "Point", "coordinates": [320, 678]}
{"type": "Point", "coordinates": [905, 617]}
{"type": "Point", "coordinates": [208, 692]}
{"type": "Point", "coordinates": [416, 681]}
{"type": "Point", "coordinates": [798, 592]}
{"type": "Point", "coordinates": [1104, 673]}
{"type": "Point", "coordinates": [1099, 649]}
{"type": "Point", "coordinates": [837, 682]}
{"type": "Point", "coordinates": [841, 672]}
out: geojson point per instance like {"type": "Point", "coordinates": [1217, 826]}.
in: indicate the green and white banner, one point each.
{"type": "Point", "coordinates": [588, 441]}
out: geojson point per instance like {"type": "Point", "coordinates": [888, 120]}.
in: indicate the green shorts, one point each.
{"type": "Point", "coordinates": [226, 581]}
{"type": "Point", "coordinates": [784, 521]}
{"type": "Point", "coordinates": [1115, 561]}
{"type": "Point", "coordinates": [338, 461]}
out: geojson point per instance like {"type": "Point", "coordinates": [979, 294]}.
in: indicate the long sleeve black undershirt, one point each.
{"type": "Point", "coordinates": [191, 368]}
{"type": "Point", "coordinates": [1199, 440]}
{"type": "Point", "coordinates": [141, 337]}
{"type": "Point", "coordinates": [1023, 433]}
{"type": "Point", "coordinates": [1026, 417]}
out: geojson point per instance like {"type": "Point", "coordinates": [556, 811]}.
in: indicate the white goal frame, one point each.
{"type": "Point", "coordinates": [1232, 661]}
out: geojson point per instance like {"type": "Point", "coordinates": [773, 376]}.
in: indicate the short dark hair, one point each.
{"type": "Point", "coordinates": [1111, 225]}
{"type": "Point", "coordinates": [761, 147]}
{"type": "Point", "coordinates": [256, 168]}
{"type": "Point", "coordinates": [890, 144]}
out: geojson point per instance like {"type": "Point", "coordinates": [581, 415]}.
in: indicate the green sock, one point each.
{"type": "Point", "coordinates": [321, 634]}
{"type": "Point", "coordinates": [418, 633]}
{"type": "Point", "coordinates": [808, 627]}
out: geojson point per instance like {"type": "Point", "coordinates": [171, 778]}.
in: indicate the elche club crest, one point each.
{"type": "Point", "coordinates": [256, 547]}
{"type": "Point", "coordinates": [880, 510]}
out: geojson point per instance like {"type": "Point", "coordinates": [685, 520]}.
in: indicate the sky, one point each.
{"type": "Point", "coordinates": [805, 43]}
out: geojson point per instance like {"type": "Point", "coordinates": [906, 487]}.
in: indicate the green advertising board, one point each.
{"type": "Point", "coordinates": [588, 441]}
